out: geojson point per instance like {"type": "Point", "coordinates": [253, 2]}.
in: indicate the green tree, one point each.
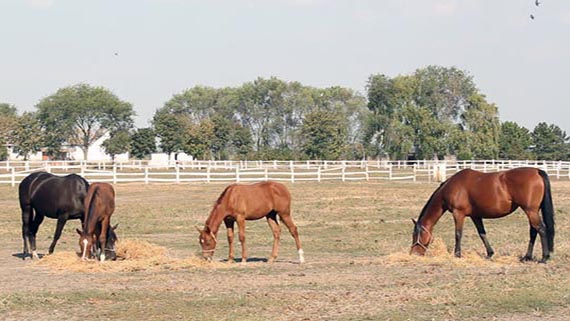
{"type": "Point", "coordinates": [480, 119]}
{"type": "Point", "coordinates": [515, 141]}
{"type": "Point", "coordinates": [550, 142]}
{"type": "Point", "coordinates": [8, 121]}
{"type": "Point", "coordinates": [172, 130]}
{"type": "Point", "coordinates": [118, 143]}
{"type": "Point", "coordinates": [324, 135]}
{"type": "Point", "coordinates": [200, 140]}
{"type": "Point", "coordinates": [27, 137]}
{"type": "Point", "coordinates": [81, 114]}
{"type": "Point", "coordinates": [242, 143]}
{"type": "Point", "coordinates": [143, 143]}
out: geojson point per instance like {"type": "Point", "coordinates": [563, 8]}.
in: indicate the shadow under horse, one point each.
{"type": "Point", "coordinates": [239, 203]}
{"type": "Point", "coordinates": [477, 195]}
{"type": "Point", "coordinates": [98, 237]}
{"type": "Point", "coordinates": [42, 195]}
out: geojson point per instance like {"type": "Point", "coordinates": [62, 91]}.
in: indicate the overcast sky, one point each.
{"type": "Point", "coordinates": [166, 46]}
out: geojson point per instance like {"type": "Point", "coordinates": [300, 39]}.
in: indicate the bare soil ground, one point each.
{"type": "Point", "coordinates": [355, 235]}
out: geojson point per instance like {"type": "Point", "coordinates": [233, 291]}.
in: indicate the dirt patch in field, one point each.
{"type": "Point", "coordinates": [132, 255]}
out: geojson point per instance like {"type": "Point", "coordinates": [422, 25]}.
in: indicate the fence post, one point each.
{"type": "Point", "coordinates": [177, 174]}
{"type": "Point", "coordinates": [146, 174]}
{"type": "Point", "coordinates": [319, 174]}
{"type": "Point", "coordinates": [415, 171]}
{"type": "Point", "coordinates": [266, 174]}
{"type": "Point", "coordinates": [82, 167]}
{"type": "Point", "coordinates": [343, 169]}
{"type": "Point", "coordinates": [390, 172]}
{"type": "Point", "coordinates": [13, 170]}
{"type": "Point", "coordinates": [114, 174]}
{"type": "Point", "coordinates": [366, 172]}
{"type": "Point", "coordinates": [237, 174]}
{"type": "Point", "coordinates": [208, 174]}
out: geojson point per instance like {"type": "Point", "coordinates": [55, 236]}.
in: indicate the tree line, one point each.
{"type": "Point", "coordinates": [431, 113]}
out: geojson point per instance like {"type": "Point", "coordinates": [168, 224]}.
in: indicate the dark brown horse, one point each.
{"type": "Point", "coordinates": [46, 195]}
{"type": "Point", "coordinates": [478, 195]}
{"type": "Point", "coordinates": [239, 203]}
{"type": "Point", "coordinates": [98, 237]}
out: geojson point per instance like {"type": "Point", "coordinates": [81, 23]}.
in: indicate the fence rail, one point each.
{"type": "Point", "coordinates": [12, 172]}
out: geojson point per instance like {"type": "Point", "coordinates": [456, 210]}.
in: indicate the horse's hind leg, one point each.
{"type": "Point", "coordinates": [288, 221]}
{"type": "Point", "coordinates": [272, 221]}
{"type": "Point", "coordinates": [27, 218]}
{"type": "Point", "coordinates": [537, 224]}
{"type": "Point", "coordinates": [532, 233]}
{"type": "Point", "coordinates": [483, 235]}
{"type": "Point", "coordinates": [34, 227]}
{"type": "Point", "coordinates": [60, 224]}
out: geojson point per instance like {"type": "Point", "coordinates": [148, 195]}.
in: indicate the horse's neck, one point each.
{"type": "Point", "coordinates": [216, 217]}
{"type": "Point", "coordinates": [433, 211]}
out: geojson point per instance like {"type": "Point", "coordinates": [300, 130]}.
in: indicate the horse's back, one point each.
{"type": "Point", "coordinates": [259, 197]}
{"type": "Point", "coordinates": [497, 192]}
{"type": "Point", "coordinates": [50, 194]}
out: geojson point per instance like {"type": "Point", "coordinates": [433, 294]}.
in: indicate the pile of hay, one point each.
{"type": "Point", "coordinates": [438, 254]}
{"type": "Point", "coordinates": [132, 255]}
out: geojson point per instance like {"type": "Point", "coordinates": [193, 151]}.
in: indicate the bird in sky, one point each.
{"type": "Point", "coordinates": [532, 17]}
{"type": "Point", "coordinates": [537, 3]}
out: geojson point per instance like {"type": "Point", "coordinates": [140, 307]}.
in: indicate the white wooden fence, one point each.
{"type": "Point", "coordinates": [12, 172]}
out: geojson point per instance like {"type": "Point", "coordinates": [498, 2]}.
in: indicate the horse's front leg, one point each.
{"type": "Point", "coordinates": [229, 222]}
{"type": "Point", "coordinates": [60, 224]}
{"type": "Point", "coordinates": [459, 218]}
{"type": "Point", "coordinates": [241, 227]}
{"type": "Point", "coordinates": [103, 237]}
{"type": "Point", "coordinates": [483, 235]}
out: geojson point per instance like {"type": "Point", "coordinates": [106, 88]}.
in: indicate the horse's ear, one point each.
{"type": "Point", "coordinates": [198, 229]}
{"type": "Point", "coordinates": [115, 227]}
{"type": "Point", "coordinates": [79, 231]}
{"type": "Point", "coordinates": [414, 221]}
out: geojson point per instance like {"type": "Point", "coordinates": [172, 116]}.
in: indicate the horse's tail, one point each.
{"type": "Point", "coordinates": [547, 210]}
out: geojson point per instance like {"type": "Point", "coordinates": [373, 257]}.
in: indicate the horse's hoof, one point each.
{"type": "Point", "coordinates": [543, 261]}
{"type": "Point", "coordinates": [526, 258]}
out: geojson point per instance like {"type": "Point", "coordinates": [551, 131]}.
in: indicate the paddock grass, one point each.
{"type": "Point", "coordinates": [356, 236]}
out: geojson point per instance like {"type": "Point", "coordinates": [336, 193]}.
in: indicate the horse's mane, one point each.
{"type": "Point", "coordinates": [90, 208]}
{"type": "Point", "coordinates": [218, 202]}
{"type": "Point", "coordinates": [424, 209]}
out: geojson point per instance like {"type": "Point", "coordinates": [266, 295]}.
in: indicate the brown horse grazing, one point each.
{"type": "Point", "coordinates": [492, 195]}
{"type": "Point", "coordinates": [239, 203]}
{"type": "Point", "coordinates": [98, 237]}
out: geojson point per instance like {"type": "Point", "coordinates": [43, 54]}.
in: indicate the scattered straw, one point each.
{"type": "Point", "coordinates": [132, 255]}
{"type": "Point", "coordinates": [438, 254]}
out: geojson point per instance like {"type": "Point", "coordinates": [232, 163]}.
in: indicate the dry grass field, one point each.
{"type": "Point", "coordinates": [355, 235]}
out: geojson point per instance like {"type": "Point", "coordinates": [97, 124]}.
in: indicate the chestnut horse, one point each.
{"type": "Point", "coordinates": [478, 195]}
{"type": "Point", "coordinates": [98, 237]}
{"type": "Point", "coordinates": [46, 195]}
{"type": "Point", "coordinates": [239, 203]}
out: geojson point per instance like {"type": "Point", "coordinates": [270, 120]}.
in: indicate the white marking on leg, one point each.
{"type": "Point", "coordinates": [102, 257]}
{"type": "Point", "coordinates": [83, 257]}
{"type": "Point", "coordinates": [301, 256]}
{"type": "Point", "coordinates": [35, 255]}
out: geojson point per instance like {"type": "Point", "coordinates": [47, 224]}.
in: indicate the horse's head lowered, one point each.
{"type": "Point", "coordinates": [90, 246]}
{"type": "Point", "coordinates": [86, 245]}
{"type": "Point", "coordinates": [208, 242]}
{"type": "Point", "coordinates": [421, 239]}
